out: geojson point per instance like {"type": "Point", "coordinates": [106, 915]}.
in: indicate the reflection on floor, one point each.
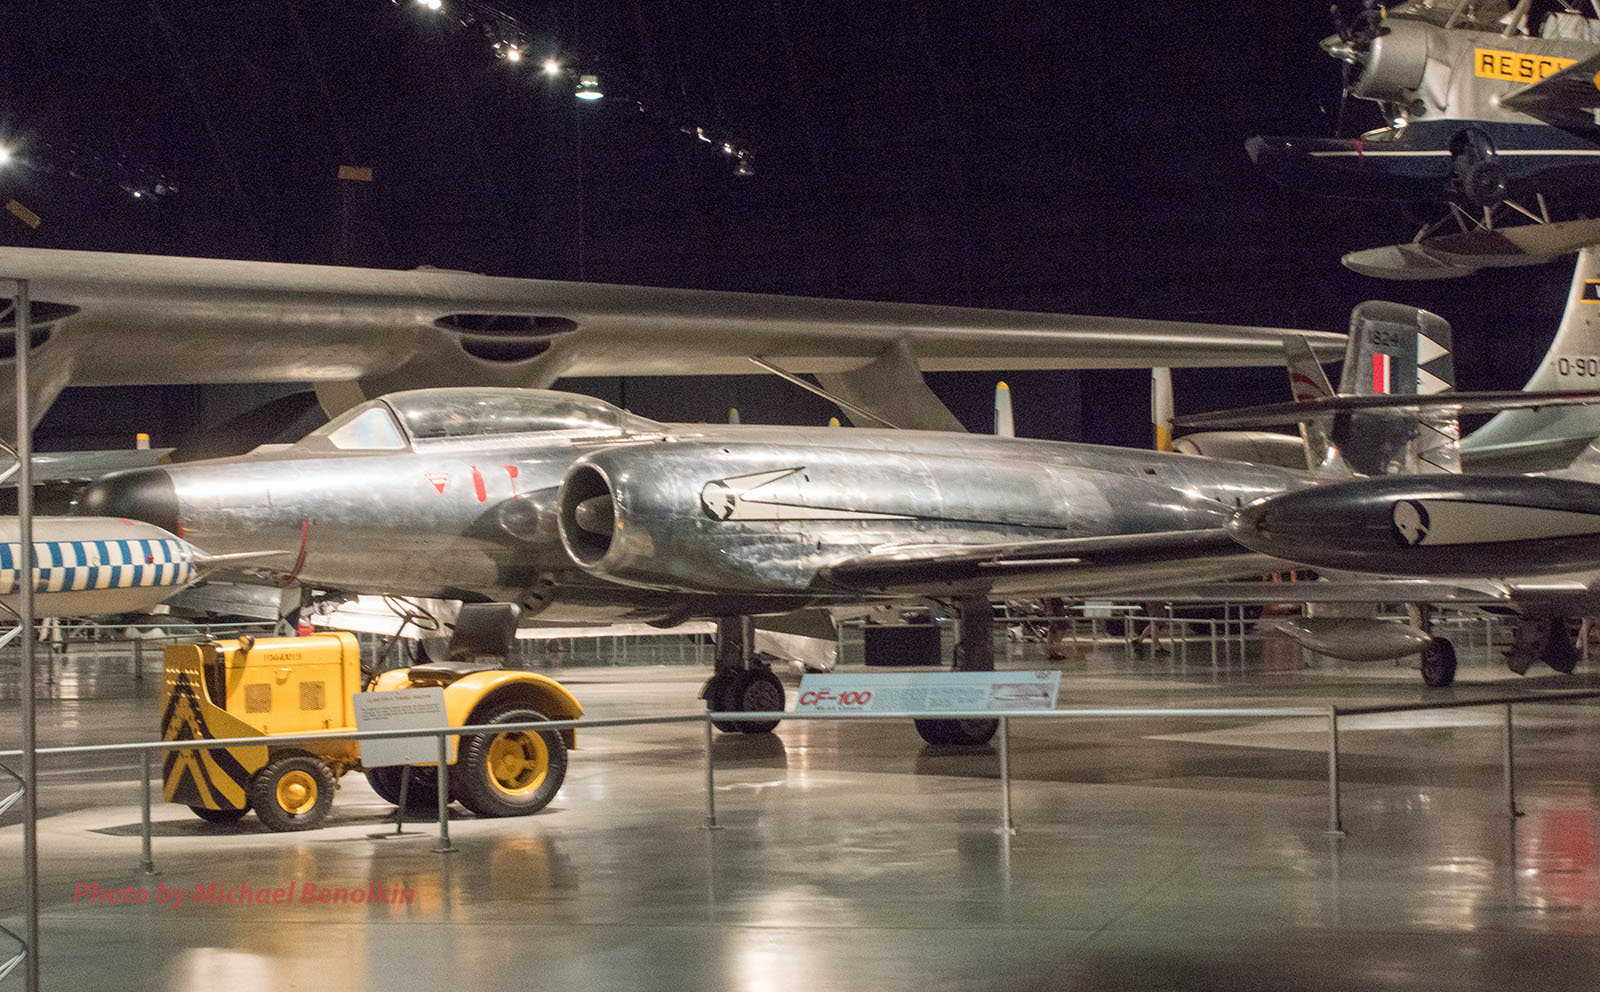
{"type": "Point", "coordinates": [1151, 853]}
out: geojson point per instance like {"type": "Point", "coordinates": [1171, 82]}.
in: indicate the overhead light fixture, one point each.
{"type": "Point", "coordinates": [431, 4]}
{"type": "Point", "coordinates": [700, 133]}
{"type": "Point", "coordinates": [552, 67]}
{"type": "Point", "coordinates": [746, 165]}
{"type": "Point", "coordinates": [588, 88]}
{"type": "Point", "coordinates": [5, 155]}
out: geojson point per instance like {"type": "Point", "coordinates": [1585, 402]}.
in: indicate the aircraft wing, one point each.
{"type": "Point", "coordinates": [115, 319]}
{"type": "Point", "coordinates": [1343, 589]}
{"type": "Point", "coordinates": [1046, 565]}
{"type": "Point", "coordinates": [1459, 403]}
{"type": "Point", "coordinates": [1567, 97]}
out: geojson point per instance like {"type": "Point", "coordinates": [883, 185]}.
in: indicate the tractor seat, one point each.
{"type": "Point", "coordinates": [444, 672]}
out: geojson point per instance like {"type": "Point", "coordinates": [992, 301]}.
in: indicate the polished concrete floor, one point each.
{"type": "Point", "coordinates": [1166, 853]}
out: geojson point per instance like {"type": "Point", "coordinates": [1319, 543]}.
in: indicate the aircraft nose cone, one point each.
{"type": "Point", "coordinates": [146, 494]}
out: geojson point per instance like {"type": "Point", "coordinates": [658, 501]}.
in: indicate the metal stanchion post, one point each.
{"type": "Point", "coordinates": [444, 797]}
{"type": "Point", "coordinates": [138, 660]}
{"type": "Point", "coordinates": [1488, 640]}
{"type": "Point", "coordinates": [1006, 826]}
{"type": "Point", "coordinates": [711, 780]}
{"type": "Point", "coordinates": [1212, 626]}
{"type": "Point", "coordinates": [146, 860]}
{"type": "Point", "coordinates": [1335, 820]}
{"type": "Point", "coordinates": [23, 338]}
{"type": "Point", "coordinates": [1511, 770]}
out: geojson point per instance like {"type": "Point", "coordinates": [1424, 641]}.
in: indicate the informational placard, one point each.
{"type": "Point", "coordinates": [403, 709]}
{"type": "Point", "coordinates": [928, 692]}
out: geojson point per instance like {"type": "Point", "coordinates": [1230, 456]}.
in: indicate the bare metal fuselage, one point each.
{"type": "Point", "coordinates": [705, 520]}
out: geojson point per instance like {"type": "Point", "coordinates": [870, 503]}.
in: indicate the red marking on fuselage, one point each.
{"type": "Point", "coordinates": [477, 485]}
{"type": "Point", "coordinates": [511, 473]}
{"type": "Point", "coordinates": [300, 560]}
{"type": "Point", "coordinates": [437, 479]}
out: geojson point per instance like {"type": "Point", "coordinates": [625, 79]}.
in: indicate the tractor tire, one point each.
{"type": "Point", "coordinates": [294, 792]}
{"type": "Point", "coordinates": [422, 792]}
{"type": "Point", "coordinates": [1438, 663]}
{"type": "Point", "coordinates": [509, 774]}
{"type": "Point", "coordinates": [219, 815]}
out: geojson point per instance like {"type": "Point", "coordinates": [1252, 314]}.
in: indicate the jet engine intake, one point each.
{"type": "Point", "coordinates": [588, 515]}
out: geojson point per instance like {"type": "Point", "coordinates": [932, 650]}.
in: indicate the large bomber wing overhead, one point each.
{"type": "Point", "coordinates": [113, 319]}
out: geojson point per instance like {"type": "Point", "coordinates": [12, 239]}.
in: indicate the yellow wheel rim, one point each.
{"type": "Point", "coordinates": [518, 763]}
{"type": "Point", "coordinates": [297, 792]}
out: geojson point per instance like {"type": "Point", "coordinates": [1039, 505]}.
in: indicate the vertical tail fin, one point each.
{"type": "Point", "coordinates": [1397, 350]}
{"type": "Point", "coordinates": [1540, 440]}
{"type": "Point", "coordinates": [1307, 381]}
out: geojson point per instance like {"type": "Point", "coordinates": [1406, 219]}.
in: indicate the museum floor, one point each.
{"type": "Point", "coordinates": [1150, 853]}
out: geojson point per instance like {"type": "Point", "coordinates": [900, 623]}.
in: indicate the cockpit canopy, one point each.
{"type": "Point", "coordinates": [395, 421]}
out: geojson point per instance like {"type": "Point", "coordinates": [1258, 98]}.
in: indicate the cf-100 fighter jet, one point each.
{"type": "Point", "coordinates": [579, 512]}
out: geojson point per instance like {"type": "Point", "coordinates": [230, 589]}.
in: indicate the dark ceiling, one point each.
{"type": "Point", "coordinates": [1078, 157]}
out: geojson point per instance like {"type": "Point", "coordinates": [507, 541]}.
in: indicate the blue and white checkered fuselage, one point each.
{"type": "Point", "coordinates": [89, 565]}
{"type": "Point", "coordinates": [77, 566]}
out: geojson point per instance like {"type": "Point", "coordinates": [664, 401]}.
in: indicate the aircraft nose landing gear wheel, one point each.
{"type": "Point", "coordinates": [294, 792]}
{"type": "Point", "coordinates": [1438, 662]}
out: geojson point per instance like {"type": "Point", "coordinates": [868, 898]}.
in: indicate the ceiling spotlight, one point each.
{"type": "Point", "coordinates": [432, 4]}
{"type": "Point", "coordinates": [588, 88]}
{"type": "Point", "coordinates": [551, 67]}
{"type": "Point", "coordinates": [513, 54]}
{"type": "Point", "coordinates": [727, 148]}
{"type": "Point", "coordinates": [5, 155]}
{"type": "Point", "coordinates": [700, 133]}
{"type": "Point", "coordinates": [745, 166]}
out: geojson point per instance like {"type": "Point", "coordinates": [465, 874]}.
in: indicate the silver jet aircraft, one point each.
{"type": "Point", "coordinates": [580, 512]}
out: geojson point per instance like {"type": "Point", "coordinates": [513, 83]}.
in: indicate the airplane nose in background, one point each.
{"type": "Point", "coordinates": [144, 494]}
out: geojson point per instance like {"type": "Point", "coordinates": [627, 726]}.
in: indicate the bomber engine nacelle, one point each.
{"type": "Point", "coordinates": [1479, 525]}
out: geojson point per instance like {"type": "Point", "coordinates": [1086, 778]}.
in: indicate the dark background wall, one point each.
{"type": "Point", "coordinates": [1076, 157]}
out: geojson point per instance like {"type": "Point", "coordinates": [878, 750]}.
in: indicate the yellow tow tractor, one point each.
{"type": "Point", "coordinates": [256, 687]}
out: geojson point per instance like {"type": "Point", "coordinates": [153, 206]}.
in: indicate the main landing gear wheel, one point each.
{"type": "Point", "coordinates": [957, 733]}
{"type": "Point", "coordinates": [512, 773]}
{"type": "Point", "coordinates": [293, 792]}
{"type": "Point", "coordinates": [422, 791]}
{"type": "Point", "coordinates": [744, 690]}
{"type": "Point", "coordinates": [219, 815]}
{"type": "Point", "coordinates": [1438, 662]}
{"type": "Point", "coordinates": [718, 694]}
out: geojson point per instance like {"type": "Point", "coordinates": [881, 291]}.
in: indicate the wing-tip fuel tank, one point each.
{"type": "Point", "coordinates": [1444, 525]}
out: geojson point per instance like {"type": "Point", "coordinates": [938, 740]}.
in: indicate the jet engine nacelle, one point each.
{"type": "Point", "coordinates": [646, 518]}
{"type": "Point", "coordinates": [1479, 525]}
